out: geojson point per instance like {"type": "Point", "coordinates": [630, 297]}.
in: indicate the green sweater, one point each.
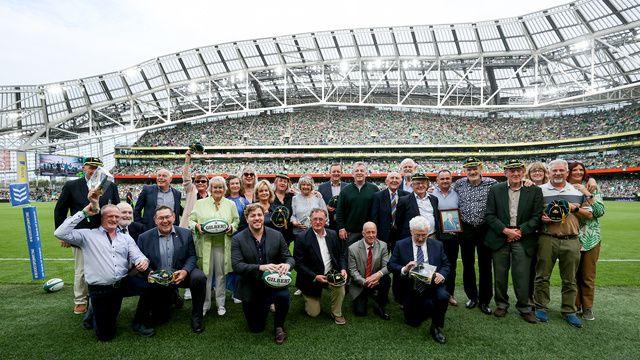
{"type": "Point", "coordinates": [354, 206]}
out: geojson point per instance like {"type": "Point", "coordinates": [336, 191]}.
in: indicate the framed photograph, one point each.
{"type": "Point", "coordinates": [450, 221]}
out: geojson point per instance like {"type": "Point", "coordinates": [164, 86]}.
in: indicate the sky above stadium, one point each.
{"type": "Point", "coordinates": [55, 40]}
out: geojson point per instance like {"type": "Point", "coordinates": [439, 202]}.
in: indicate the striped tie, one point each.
{"type": "Point", "coordinates": [394, 203]}
{"type": "Point", "coordinates": [419, 285]}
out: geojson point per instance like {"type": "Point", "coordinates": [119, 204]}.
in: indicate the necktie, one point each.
{"type": "Point", "coordinates": [394, 203]}
{"type": "Point", "coordinates": [125, 230]}
{"type": "Point", "coordinates": [369, 269]}
{"type": "Point", "coordinates": [419, 285]}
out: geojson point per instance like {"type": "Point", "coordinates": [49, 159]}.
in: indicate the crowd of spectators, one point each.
{"type": "Point", "coordinates": [327, 126]}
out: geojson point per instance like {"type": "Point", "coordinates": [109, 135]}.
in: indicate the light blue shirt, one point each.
{"type": "Point", "coordinates": [450, 201]}
{"type": "Point", "coordinates": [165, 198]}
{"type": "Point", "coordinates": [105, 262]}
{"type": "Point", "coordinates": [166, 250]}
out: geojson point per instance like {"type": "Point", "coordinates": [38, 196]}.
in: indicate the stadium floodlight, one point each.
{"type": "Point", "coordinates": [415, 62]}
{"type": "Point", "coordinates": [581, 46]}
{"type": "Point", "coordinates": [240, 77]}
{"type": "Point", "coordinates": [344, 66]}
{"type": "Point", "coordinates": [54, 90]}
{"type": "Point", "coordinates": [132, 73]}
{"type": "Point", "coordinates": [193, 87]}
{"type": "Point", "coordinates": [280, 70]}
{"type": "Point", "coordinates": [378, 64]}
{"type": "Point", "coordinates": [406, 65]}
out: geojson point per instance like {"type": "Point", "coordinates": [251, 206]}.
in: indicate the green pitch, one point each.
{"type": "Point", "coordinates": [35, 323]}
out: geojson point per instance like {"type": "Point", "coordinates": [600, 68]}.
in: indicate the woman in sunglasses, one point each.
{"type": "Point", "coordinates": [248, 182]}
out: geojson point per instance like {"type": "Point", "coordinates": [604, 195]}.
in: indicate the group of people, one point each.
{"type": "Point", "coordinates": [375, 241]}
{"type": "Point", "coordinates": [327, 126]}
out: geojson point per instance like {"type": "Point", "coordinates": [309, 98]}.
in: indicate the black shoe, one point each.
{"type": "Point", "coordinates": [280, 336]}
{"type": "Point", "coordinates": [438, 335]}
{"type": "Point", "coordinates": [197, 324]}
{"type": "Point", "coordinates": [471, 304]}
{"type": "Point", "coordinates": [381, 313]}
{"type": "Point", "coordinates": [87, 324]}
{"type": "Point", "coordinates": [143, 330]}
{"type": "Point", "coordinates": [178, 302]}
{"type": "Point", "coordinates": [485, 309]}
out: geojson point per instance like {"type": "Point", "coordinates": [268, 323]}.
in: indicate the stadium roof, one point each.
{"type": "Point", "coordinates": [583, 52]}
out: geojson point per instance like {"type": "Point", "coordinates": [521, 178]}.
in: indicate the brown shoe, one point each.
{"type": "Point", "coordinates": [453, 301]}
{"type": "Point", "coordinates": [529, 317]}
{"type": "Point", "coordinates": [80, 309]}
{"type": "Point", "coordinates": [500, 312]}
{"type": "Point", "coordinates": [340, 320]}
{"type": "Point", "coordinates": [281, 336]}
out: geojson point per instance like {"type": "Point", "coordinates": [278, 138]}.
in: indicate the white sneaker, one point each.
{"type": "Point", "coordinates": [187, 294]}
{"type": "Point", "coordinates": [222, 310]}
{"type": "Point", "coordinates": [272, 308]}
{"type": "Point", "coordinates": [236, 301]}
{"type": "Point", "coordinates": [298, 292]}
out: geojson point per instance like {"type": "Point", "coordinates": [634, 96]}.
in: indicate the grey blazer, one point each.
{"type": "Point", "coordinates": [358, 264]}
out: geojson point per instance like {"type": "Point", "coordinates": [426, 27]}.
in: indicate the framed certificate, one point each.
{"type": "Point", "coordinates": [450, 221]}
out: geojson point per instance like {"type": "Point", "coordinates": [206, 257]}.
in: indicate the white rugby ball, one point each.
{"type": "Point", "coordinates": [215, 227]}
{"type": "Point", "coordinates": [276, 280]}
{"type": "Point", "coordinates": [53, 285]}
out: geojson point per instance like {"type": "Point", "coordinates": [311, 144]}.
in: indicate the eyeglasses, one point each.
{"type": "Point", "coordinates": [248, 174]}
{"type": "Point", "coordinates": [201, 181]}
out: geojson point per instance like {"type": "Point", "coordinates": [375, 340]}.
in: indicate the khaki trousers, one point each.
{"type": "Point", "coordinates": [567, 252]}
{"type": "Point", "coordinates": [313, 305]}
{"type": "Point", "coordinates": [80, 287]}
{"type": "Point", "coordinates": [586, 277]}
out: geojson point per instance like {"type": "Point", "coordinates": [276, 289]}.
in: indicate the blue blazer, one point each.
{"type": "Point", "coordinates": [407, 209]}
{"type": "Point", "coordinates": [325, 190]}
{"type": "Point", "coordinates": [381, 214]}
{"type": "Point", "coordinates": [403, 254]}
{"type": "Point", "coordinates": [184, 252]}
{"type": "Point", "coordinates": [148, 201]}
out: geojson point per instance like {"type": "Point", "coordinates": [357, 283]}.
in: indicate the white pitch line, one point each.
{"type": "Point", "coordinates": [459, 260]}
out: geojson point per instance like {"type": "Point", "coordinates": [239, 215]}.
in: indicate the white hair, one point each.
{"type": "Point", "coordinates": [419, 223]}
{"type": "Point", "coordinates": [165, 170]}
{"type": "Point", "coordinates": [307, 179]}
{"type": "Point", "coordinates": [124, 204]}
{"type": "Point", "coordinates": [218, 180]}
{"type": "Point", "coordinates": [555, 162]}
{"type": "Point", "coordinates": [406, 161]}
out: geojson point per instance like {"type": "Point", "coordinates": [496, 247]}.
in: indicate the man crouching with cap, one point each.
{"type": "Point", "coordinates": [73, 198]}
{"type": "Point", "coordinates": [513, 216]}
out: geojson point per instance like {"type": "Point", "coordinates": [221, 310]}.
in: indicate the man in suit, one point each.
{"type": "Point", "coordinates": [73, 198]}
{"type": "Point", "coordinates": [513, 215]}
{"type": "Point", "coordinates": [421, 300]}
{"type": "Point", "coordinates": [418, 203]}
{"type": "Point", "coordinates": [369, 274]}
{"type": "Point", "coordinates": [127, 225]}
{"type": "Point", "coordinates": [170, 247]}
{"type": "Point", "coordinates": [316, 253]}
{"type": "Point", "coordinates": [384, 206]}
{"type": "Point", "coordinates": [254, 250]}
{"type": "Point", "coordinates": [157, 195]}
{"type": "Point", "coordinates": [408, 168]}
{"type": "Point", "coordinates": [330, 189]}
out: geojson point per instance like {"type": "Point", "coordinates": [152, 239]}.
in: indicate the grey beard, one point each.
{"type": "Point", "coordinates": [124, 223]}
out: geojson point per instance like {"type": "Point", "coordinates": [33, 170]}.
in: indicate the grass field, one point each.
{"type": "Point", "coordinates": [39, 325]}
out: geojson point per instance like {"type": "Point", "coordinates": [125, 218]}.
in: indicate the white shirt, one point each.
{"type": "Point", "coordinates": [415, 252]}
{"type": "Point", "coordinates": [324, 251]}
{"type": "Point", "coordinates": [335, 189]}
{"type": "Point", "coordinates": [426, 210]}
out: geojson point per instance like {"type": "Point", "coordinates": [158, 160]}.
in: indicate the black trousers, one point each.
{"type": "Point", "coordinates": [472, 239]}
{"type": "Point", "coordinates": [106, 301]}
{"type": "Point", "coordinates": [257, 309]}
{"type": "Point", "coordinates": [156, 301]}
{"type": "Point", "coordinates": [451, 247]}
{"type": "Point", "coordinates": [379, 293]}
{"type": "Point", "coordinates": [432, 303]}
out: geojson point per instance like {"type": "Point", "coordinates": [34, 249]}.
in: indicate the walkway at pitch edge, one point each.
{"type": "Point", "coordinates": [459, 260]}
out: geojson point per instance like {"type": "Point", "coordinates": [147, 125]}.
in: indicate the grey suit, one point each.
{"type": "Point", "coordinates": [358, 254]}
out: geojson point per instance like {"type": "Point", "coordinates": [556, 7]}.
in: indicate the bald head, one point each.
{"type": "Point", "coordinates": [369, 232]}
{"type": "Point", "coordinates": [126, 212]}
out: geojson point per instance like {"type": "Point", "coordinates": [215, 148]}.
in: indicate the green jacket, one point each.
{"type": "Point", "coordinates": [530, 209]}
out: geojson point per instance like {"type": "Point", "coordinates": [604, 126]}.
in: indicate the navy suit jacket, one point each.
{"type": "Point", "coordinates": [407, 209]}
{"type": "Point", "coordinates": [148, 201]}
{"type": "Point", "coordinates": [403, 254]}
{"type": "Point", "coordinates": [381, 214]}
{"type": "Point", "coordinates": [184, 252]}
{"type": "Point", "coordinates": [309, 262]}
{"type": "Point", "coordinates": [325, 190]}
{"type": "Point", "coordinates": [135, 229]}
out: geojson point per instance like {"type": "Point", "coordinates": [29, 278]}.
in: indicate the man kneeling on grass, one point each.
{"type": "Point", "coordinates": [106, 252]}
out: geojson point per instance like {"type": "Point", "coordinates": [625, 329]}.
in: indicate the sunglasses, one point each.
{"type": "Point", "coordinates": [201, 181]}
{"type": "Point", "coordinates": [249, 174]}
